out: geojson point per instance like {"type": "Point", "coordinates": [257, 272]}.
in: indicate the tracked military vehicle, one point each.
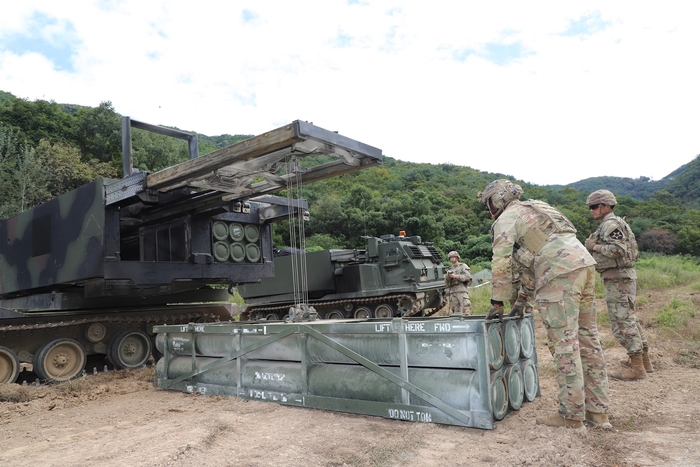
{"type": "Point", "coordinates": [394, 276]}
{"type": "Point", "coordinates": [92, 271]}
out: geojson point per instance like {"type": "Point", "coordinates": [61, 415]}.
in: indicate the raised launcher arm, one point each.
{"type": "Point", "coordinates": [155, 238]}
{"type": "Point", "coordinates": [236, 169]}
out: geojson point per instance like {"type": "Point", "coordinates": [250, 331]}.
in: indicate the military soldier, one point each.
{"type": "Point", "coordinates": [534, 237]}
{"type": "Point", "coordinates": [614, 248]}
{"type": "Point", "coordinates": [457, 279]}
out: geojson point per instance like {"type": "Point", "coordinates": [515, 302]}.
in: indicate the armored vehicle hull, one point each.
{"type": "Point", "coordinates": [394, 276]}
{"type": "Point", "coordinates": [57, 343]}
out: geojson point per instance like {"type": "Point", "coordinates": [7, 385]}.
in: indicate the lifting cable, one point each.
{"type": "Point", "coordinates": [297, 236]}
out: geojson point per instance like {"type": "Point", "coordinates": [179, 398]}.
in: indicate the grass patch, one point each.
{"type": "Point", "coordinates": [385, 455]}
{"type": "Point", "coordinates": [676, 315]}
{"type": "Point", "coordinates": [641, 301]}
{"type": "Point", "coordinates": [481, 299]}
{"type": "Point", "coordinates": [689, 357]}
{"type": "Point", "coordinates": [599, 290]}
{"type": "Point", "coordinates": [678, 321]}
{"type": "Point", "coordinates": [74, 386]}
{"type": "Point", "coordinates": [657, 272]}
{"type": "Point", "coordinates": [16, 393]}
{"type": "Point", "coordinates": [602, 318]}
{"type": "Point", "coordinates": [378, 455]}
{"type": "Point", "coordinates": [608, 342]}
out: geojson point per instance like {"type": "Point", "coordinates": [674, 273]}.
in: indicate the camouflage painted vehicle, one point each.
{"type": "Point", "coordinates": [92, 271]}
{"type": "Point", "coordinates": [394, 276]}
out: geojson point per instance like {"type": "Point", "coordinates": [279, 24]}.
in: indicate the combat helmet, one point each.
{"type": "Point", "coordinates": [501, 192]}
{"type": "Point", "coordinates": [451, 254]}
{"type": "Point", "coordinates": [601, 197]}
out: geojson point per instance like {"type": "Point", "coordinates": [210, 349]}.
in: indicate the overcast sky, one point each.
{"type": "Point", "coordinates": [548, 92]}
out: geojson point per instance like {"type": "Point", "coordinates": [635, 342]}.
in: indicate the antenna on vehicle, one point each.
{"type": "Point", "coordinates": [364, 214]}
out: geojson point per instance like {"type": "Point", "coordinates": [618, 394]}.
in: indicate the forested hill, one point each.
{"type": "Point", "coordinates": [683, 182]}
{"type": "Point", "coordinates": [47, 149]}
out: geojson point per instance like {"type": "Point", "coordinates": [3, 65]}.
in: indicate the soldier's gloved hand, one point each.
{"type": "Point", "coordinates": [495, 312]}
{"type": "Point", "coordinates": [518, 309]}
{"type": "Point", "coordinates": [590, 243]}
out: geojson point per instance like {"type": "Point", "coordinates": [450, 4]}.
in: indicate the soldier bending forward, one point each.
{"type": "Point", "coordinates": [534, 236]}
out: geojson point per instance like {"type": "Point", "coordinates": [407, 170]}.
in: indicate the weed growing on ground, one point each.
{"type": "Point", "coordinates": [74, 386]}
{"type": "Point", "coordinates": [675, 315]}
{"type": "Point", "coordinates": [16, 393]}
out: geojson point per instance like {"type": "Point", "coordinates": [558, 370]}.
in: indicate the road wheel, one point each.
{"type": "Point", "coordinates": [384, 310]}
{"type": "Point", "coordinates": [335, 314]}
{"type": "Point", "coordinates": [130, 349]}
{"type": "Point", "coordinates": [95, 332]}
{"type": "Point", "coordinates": [254, 315]}
{"type": "Point", "coordinates": [9, 365]}
{"type": "Point", "coordinates": [60, 360]}
{"type": "Point", "coordinates": [362, 312]}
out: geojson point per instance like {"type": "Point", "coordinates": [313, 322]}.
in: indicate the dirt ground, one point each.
{"type": "Point", "coordinates": [121, 419]}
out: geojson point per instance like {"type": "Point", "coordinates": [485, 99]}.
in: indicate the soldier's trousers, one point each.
{"type": "Point", "coordinates": [459, 302]}
{"type": "Point", "coordinates": [568, 312]}
{"type": "Point", "coordinates": [620, 296]}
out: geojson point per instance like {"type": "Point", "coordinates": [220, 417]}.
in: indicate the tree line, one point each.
{"type": "Point", "coordinates": [47, 149]}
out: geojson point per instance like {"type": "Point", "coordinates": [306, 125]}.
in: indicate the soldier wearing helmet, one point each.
{"type": "Point", "coordinates": [498, 194]}
{"type": "Point", "coordinates": [536, 253]}
{"type": "Point", "coordinates": [457, 278]}
{"type": "Point", "coordinates": [614, 248]}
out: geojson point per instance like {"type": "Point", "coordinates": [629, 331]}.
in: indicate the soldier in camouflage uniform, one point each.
{"type": "Point", "coordinates": [536, 245]}
{"type": "Point", "coordinates": [614, 248]}
{"type": "Point", "coordinates": [457, 279]}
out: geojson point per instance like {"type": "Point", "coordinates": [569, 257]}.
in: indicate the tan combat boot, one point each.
{"type": "Point", "coordinates": [637, 371]}
{"type": "Point", "coordinates": [558, 420]}
{"type": "Point", "coordinates": [645, 359]}
{"type": "Point", "coordinates": [599, 420]}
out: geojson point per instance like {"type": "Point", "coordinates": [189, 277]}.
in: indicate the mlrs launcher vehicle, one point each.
{"type": "Point", "coordinates": [92, 271]}
{"type": "Point", "coordinates": [394, 276]}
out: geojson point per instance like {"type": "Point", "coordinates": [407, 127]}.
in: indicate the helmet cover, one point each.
{"type": "Point", "coordinates": [500, 192]}
{"type": "Point", "coordinates": [601, 197]}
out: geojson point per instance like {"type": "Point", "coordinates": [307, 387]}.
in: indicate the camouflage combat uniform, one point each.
{"type": "Point", "coordinates": [536, 244]}
{"type": "Point", "coordinates": [457, 292]}
{"type": "Point", "coordinates": [616, 260]}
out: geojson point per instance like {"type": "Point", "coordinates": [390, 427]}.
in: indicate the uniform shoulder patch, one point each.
{"type": "Point", "coordinates": [617, 235]}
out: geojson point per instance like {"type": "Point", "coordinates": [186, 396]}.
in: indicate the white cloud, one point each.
{"type": "Point", "coordinates": [417, 79]}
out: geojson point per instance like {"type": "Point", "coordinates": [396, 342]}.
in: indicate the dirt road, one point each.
{"type": "Point", "coordinates": [121, 419]}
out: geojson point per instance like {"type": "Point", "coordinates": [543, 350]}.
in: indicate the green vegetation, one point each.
{"type": "Point", "coordinates": [656, 271]}
{"type": "Point", "coordinates": [47, 149]}
{"type": "Point", "coordinates": [481, 300]}
{"type": "Point", "coordinates": [678, 316]}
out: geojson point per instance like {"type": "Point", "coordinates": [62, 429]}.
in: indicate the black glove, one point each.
{"type": "Point", "coordinates": [518, 309]}
{"type": "Point", "coordinates": [495, 312]}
